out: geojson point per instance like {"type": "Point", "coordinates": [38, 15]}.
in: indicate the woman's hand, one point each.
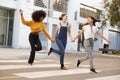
{"type": "Point", "coordinates": [109, 42]}
{"type": "Point", "coordinates": [53, 40]}
{"type": "Point", "coordinates": [73, 40]}
{"type": "Point", "coordinates": [21, 11]}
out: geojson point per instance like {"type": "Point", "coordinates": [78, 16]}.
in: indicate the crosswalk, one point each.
{"type": "Point", "coordinates": [6, 67]}
{"type": "Point", "coordinates": [116, 77]}
{"type": "Point", "coordinates": [43, 73]}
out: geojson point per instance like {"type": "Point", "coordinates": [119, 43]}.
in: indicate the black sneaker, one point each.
{"type": "Point", "coordinates": [93, 70]}
{"type": "Point", "coordinates": [30, 63]}
{"type": "Point", "coordinates": [78, 63]}
{"type": "Point", "coordinates": [50, 51]}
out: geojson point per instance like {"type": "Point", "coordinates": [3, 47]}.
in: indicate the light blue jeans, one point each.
{"type": "Point", "coordinates": [88, 44]}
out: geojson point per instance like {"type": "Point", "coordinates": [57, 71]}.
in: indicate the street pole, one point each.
{"type": "Point", "coordinates": [48, 13]}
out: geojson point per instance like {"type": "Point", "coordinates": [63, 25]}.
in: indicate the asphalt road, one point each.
{"type": "Point", "coordinates": [15, 67]}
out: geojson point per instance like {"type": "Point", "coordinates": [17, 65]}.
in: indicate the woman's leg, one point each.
{"type": "Point", "coordinates": [62, 52]}
{"type": "Point", "coordinates": [87, 48]}
{"type": "Point", "coordinates": [38, 46]}
{"type": "Point", "coordinates": [32, 53]}
{"type": "Point", "coordinates": [60, 46]}
{"type": "Point", "coordinates": [89, 55]}
{"type": "Point", "coordinates": [91, 42]}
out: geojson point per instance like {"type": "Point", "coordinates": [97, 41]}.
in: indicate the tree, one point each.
{"type": "Point", "coordinates": [111, 12]}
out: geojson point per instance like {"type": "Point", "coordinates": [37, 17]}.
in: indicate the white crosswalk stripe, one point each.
{"type": "Point", "coordinates": [6, 67]}
{"type": "Point", "coordinates": [41, 74]}
{"type": "Point", "coordinates": [51, 73]}
{"type": "Point", "coordinates": [116, 77]}
{"type": "Point", "coordinates": [14, 61]}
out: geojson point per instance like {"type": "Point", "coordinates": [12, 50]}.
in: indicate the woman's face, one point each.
{"type": "Point", "coordinates": [65, 17]}
{"type": "Point", "coordinates": [89, 20]}
{"type": "Point", "coordinates": [41, 19]}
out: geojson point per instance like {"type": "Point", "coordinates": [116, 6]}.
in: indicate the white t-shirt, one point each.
{"type": "Point", "coordinates": [89, 32]}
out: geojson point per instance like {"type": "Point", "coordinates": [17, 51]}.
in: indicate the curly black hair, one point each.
{"type": "Point", "coordinates": [36, 15]}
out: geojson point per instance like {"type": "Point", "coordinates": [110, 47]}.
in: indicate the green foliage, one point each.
{"type": "Point", "coordinates": [116, 52]}
{"type": "Point", "coordinates": [113, 15]}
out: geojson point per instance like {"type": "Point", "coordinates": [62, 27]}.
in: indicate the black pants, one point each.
{"type": "Point", "coordinates": [35, 46]}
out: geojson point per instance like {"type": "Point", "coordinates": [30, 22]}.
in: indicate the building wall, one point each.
{"type": "Point", "coordinates": [11, 4]}
{"type": "Point", "coordinates": [21, 32]}
{"type": "Point", "coordinates": [72, 8]}
{"type": "Point", "coordinates": [115, 40]}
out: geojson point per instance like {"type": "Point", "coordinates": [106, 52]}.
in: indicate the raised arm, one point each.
{"type": "Point", "coordinates": [23, 20]}
{"type": "Point", "coordinates": [100, 34]}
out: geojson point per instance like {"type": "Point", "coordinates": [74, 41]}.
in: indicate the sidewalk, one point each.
{"type": "Point", "coordinates": [10, 53]}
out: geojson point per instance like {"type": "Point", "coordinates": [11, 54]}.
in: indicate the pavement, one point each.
{"type": "Point", "coordinates": [13, 66]}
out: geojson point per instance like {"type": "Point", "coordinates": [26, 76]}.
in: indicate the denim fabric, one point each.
{"type": "Point", "coordinates": [61, 42]}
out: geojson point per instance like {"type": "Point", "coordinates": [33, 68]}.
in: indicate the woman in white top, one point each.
{"type": "Point", "coordinates": [89, 31]}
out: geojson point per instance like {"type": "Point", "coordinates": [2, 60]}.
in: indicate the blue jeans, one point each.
{"type": "Point", "coordinates": [61, 50]}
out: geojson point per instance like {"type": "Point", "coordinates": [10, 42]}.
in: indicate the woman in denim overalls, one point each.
{"type": "Point", "coordinates": [61, 38]}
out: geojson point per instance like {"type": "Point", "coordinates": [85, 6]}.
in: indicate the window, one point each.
{"type": "Point", "coordinates": [86, 11]}
{"type": "Point", "coordinates": [75, 17]}
{"type": "Point", "coordinates": [41, 3]}
{"type": "Point", "coordinates": [59, 5]}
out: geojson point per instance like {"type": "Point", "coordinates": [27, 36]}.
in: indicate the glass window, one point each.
{"type": "Point", "coordinates": [3, 12]}
{"type": "Point", "coordinates": [11, 13]}
{"type": "Point", "coordinates": [86, 11]}
{"type": "Point", "coordinates": [41, 3]}
{"type": "Point", "coordinates": [6, 27]}
{"type": "Point", "coordinates": [75, 17]}
{"type": "Point", "coordinates": [59, 5]}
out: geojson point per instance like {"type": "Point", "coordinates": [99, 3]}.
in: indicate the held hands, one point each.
{"type": "Point", "coordinates": [72, 39]}
{"type": "Point", "coordinates": [53, 40]}
{"type": "Point", "coordinates": [109, 42]}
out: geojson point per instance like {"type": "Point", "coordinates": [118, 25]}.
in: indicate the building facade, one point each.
{"type": "Point", "coordinates": [15, 35]}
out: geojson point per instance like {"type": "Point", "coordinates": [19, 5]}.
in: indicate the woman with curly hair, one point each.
{"type": "Point", "coordinates": [36, 25]}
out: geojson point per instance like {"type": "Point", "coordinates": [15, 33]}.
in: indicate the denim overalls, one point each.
{"type": "Point", "coordinates": [61, 42]}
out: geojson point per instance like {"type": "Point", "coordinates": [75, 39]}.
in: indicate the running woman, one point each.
{"type": "Point", "coordinates": [36, 25]}
{"type": "Point", "coordinates": [61, 38]}
{"type": "Point", "coordinates": [89, 31]}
